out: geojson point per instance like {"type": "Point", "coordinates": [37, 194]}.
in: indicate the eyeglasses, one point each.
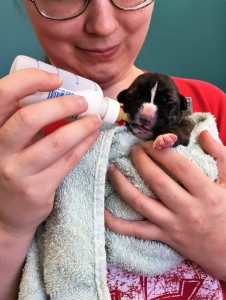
{"type": "Point", "coordinates": [69, 9]}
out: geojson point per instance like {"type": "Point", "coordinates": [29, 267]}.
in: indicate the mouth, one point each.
{"type": "Point", "coordinates": [141, 131]}
{"type": "Point", "coordinates": [101, 53]}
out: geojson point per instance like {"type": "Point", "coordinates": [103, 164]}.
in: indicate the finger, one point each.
{"type": "Point", "coordinates": [166, 188]}
{"type": "Point", "coordinates": [50, 178]}
{"type": "Point", "coordinates": [216, 150]}
{"type": "Point", "coordinates": [26, 122]}
{"type": "Point", "coordinates": [57, 144]}
{"type": "Point", "coordinates": [148, 207]}
{"type": "Point", "coordinates": [141, 229]}
{"type": "Point", "coordinates": [25, 82]}
{"type": "Point", "coordinates": [197, 183]}
{"type": "Point", "coordinates": [67, 162]}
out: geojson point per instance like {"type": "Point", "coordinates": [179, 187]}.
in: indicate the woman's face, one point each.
{"type": "Point", "coordinates": [101, 44]}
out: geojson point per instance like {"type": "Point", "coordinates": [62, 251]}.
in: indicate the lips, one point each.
{"type": "Point", "coordinates": [101, 53]}
{"type": "Point", "coordinates": [141, 131]}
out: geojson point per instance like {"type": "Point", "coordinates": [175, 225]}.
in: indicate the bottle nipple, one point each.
{"type": "Point", "coordinates": [123, 116]}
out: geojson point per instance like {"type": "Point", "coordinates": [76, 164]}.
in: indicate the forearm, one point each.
{"type": "Point", "coordinates": [13, 253]}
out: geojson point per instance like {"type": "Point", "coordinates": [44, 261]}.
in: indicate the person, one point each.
{"type": "Point", "coordinates": [100, 40]}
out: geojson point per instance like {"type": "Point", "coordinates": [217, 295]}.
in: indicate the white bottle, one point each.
{"type": "Point", "coordinates": [108, 109]}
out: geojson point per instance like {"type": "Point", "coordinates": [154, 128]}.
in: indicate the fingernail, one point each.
{"type": "Point", "coordinates": [55, 77]}
{"type": "Point", "coordinates": [111, 167]}
{"type": "Point", "coordinates": [134, 148]}
{"type": "Point", "coordinates": [97, 119]}
{"type": "Point", "coordinates": [81, 101]}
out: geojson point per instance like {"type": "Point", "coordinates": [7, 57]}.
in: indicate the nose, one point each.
{"type": "Point", "coordinates": [145, 120]}
{"type": "Point", "coordinates": [101, 18]}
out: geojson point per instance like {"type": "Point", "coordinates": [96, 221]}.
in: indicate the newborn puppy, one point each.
{"type": "Point", "coordinates": [156, 110]}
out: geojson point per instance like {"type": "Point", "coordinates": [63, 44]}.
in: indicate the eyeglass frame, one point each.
{"type": "Point", "coordinates": [85, 7]}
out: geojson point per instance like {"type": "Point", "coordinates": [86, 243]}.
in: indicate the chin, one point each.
{"type": "Point", "coordinates": [147, 135]}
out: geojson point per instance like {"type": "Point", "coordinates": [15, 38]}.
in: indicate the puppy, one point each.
{"type": "Point", "coordinates": [156, 110]}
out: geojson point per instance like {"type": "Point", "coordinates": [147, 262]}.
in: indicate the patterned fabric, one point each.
{"type": "Point", "coordinates": [185, 281]}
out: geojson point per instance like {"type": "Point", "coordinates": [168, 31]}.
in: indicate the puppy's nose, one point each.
{"type": "Point", "coordinates": [145, 121]}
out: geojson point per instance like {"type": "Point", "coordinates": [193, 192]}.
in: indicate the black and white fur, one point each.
{"type": "Point", "coordinates": [157, 110]}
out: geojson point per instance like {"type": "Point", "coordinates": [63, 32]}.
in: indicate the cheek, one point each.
{"type": "Point", "coordinates": [51, 34]}
{"type": "Point", "coordinates": [54, 38]}
{"type": "Point", "coordinates": [137, 25]}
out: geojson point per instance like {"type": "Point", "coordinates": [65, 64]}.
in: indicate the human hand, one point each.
{"type": "Point", "coordinates": [32, 167]}
{"type": "Point", "coordinates": [192, 218]}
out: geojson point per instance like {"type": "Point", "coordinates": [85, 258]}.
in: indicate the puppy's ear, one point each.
{"type": "Point", "coordinates": [121, 96]}
{"type": "Point", "coordinates": [183, 102]}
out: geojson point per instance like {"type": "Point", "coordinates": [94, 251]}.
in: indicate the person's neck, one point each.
{"type": "Point", "coordinates": [113, 90]}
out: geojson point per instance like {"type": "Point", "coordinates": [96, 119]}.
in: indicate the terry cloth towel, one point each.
{"type": "Point", "coordinates": [71, 250]}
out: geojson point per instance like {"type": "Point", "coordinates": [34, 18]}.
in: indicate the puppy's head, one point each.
{"type": "Point", "coordinates": [153, 103]}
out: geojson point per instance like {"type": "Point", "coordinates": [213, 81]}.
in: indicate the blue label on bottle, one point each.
{"type": "Point", "coordinates": [58, 93]}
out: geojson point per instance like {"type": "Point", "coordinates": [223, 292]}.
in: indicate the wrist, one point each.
{"type": "Point", "coordinates": [16, 232]}
{"type": "Point", "coordinates": [14, 243]}
{"type": "Point", "coordinates": [13, 248]}
{"type": "Point", "coordinates": [13, 252]}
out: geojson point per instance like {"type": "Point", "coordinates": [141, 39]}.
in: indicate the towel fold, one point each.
{"type": "Point", "coordinates": [69, 255]}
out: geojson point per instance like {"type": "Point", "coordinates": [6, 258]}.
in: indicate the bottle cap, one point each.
{"type": "Point", "coordinates": [22, 62]}
{"type": "Point", "coordinates": [112, 111]}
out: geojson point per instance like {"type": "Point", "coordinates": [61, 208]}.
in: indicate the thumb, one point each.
{"type": "Point", "coordinates": [215, 149]}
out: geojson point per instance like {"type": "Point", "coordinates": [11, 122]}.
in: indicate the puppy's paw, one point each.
{"type": "Point", "coordinates": [165, 141]}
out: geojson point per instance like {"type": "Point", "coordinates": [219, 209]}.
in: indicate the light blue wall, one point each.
{"type": "Point", "coordinates": [187, 39]}
{"type": "Point", "coordinates": [16, 36]}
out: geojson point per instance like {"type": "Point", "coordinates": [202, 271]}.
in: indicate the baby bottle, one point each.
{"type": "Point", "coordinates": [108, 109]}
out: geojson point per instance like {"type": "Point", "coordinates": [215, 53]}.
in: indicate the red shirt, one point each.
{"type": "Point", "coordinates": [185, 281]}
{"type": "Point", "coordinates": [205, 98]}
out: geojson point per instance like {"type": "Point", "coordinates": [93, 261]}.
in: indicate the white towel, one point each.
{"type": "Point", "coordinates": [69, 256]}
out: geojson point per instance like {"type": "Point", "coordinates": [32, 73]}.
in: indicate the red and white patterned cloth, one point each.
{"type": "Point", "coordinates": [183, 282]}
